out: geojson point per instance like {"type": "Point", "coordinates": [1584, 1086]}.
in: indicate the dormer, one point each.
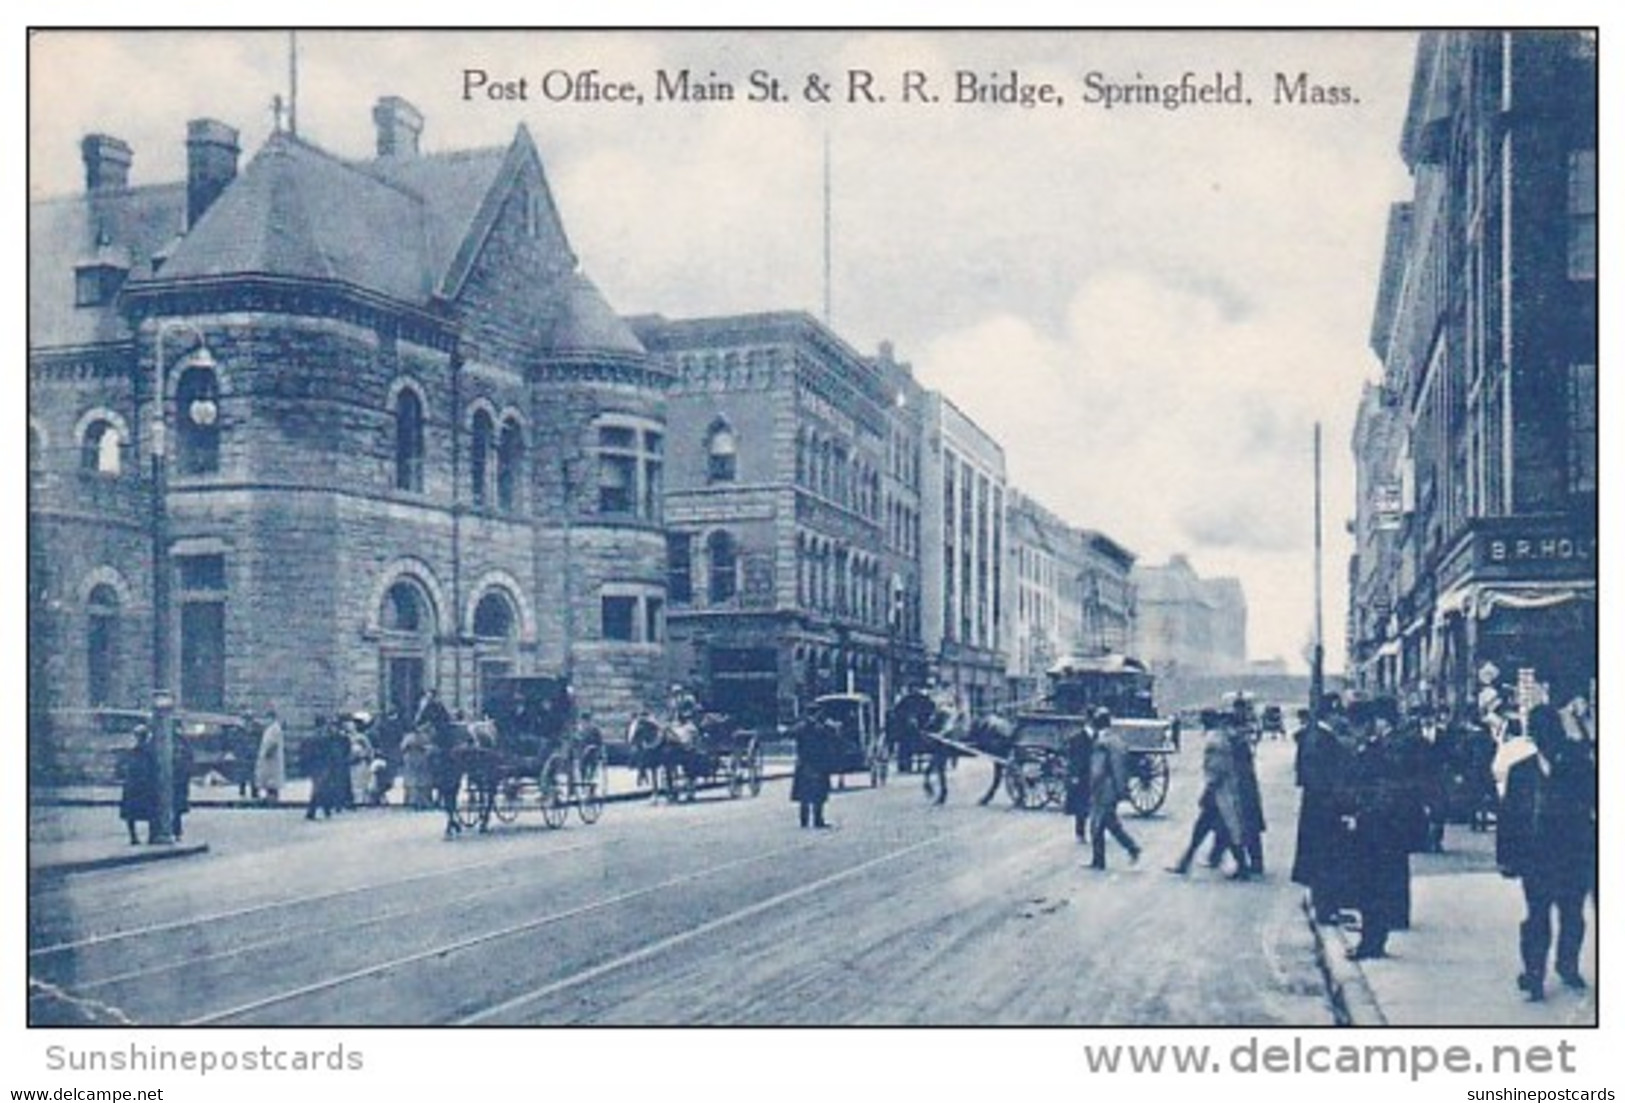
{"type": "Point", "coordinates": [98, 277]}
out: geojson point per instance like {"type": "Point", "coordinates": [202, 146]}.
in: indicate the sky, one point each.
{"type": "Point", "coordinates": [1150, 308]}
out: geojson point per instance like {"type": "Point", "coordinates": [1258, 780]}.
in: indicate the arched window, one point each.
{"type": "Point", "coordinates": [721, 453]}
{"type": "Point", "coordinates": [403, 609]}
{"type": "Point", "coordinates": [101, 646]}
{"type": "Point", "coordinates": [102, 453]}
{"type": "Point", "coordinates": [408, 441]}
{"type": "Point", "coordinates": [724, 566]}
{"type": "Point", "coordinates": [479, 455]}
{"type": "Point", "coordinates": [510, 455]}
{"type": "Point", "coordinates": [197, 414]}
{"type": "Point", "coordinates": [495, 639]}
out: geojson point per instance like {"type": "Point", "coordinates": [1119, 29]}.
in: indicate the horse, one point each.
{"type": "Point", "coordinates": [467, 752]}
{"type": "Point", "coordinates": [676, 756]}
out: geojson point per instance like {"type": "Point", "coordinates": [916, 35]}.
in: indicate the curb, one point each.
{"type": "Point", "coordinates": [135, 857]}
{"type": "Point", "coordinates": [1353, 1002]}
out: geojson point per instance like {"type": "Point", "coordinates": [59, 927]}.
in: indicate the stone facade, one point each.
{"type": "Point", "coordinates": [387, 421]}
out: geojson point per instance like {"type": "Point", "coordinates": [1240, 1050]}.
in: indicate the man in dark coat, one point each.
{"type": "Point", "coordinates": [809, 789]}
{"type": "Point", "coordinates": [1108, 787]}
{"type": "Point", "coordinates": [1546, 835]}
{"type": "Point", "coordinates": [1079, 750]}
{"type": "Point", "coordinates": [138, 776]}
{"type": "Point", "coordinates": [1385, 814]}
{"type": "Point", "coordinates": [1321, 862]}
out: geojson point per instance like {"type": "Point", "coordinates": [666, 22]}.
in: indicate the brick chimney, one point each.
{"type": "Point", "coordinates": [107, 162]}
{"type": "Point", "coordinates": [211, 164]}
{"type": "Point", "coordinates": [399, 125]}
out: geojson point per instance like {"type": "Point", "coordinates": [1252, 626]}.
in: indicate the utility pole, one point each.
{"type": "Point", "coordinates": [1317, 672]}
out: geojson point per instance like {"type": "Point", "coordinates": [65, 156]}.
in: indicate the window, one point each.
{"type": "Point", "coordinates": [630, 462]}
{"type": "Point", "coordinates": [203, 631]}
{"type": "Point", "coordinates": [653, 619]}
{"type": "Point", "coordinates": [1582, 214]}
{"type": "Point", "coordinates": [408, 441]}
{"type": "Point", "coordinates": [403, 609]}
{"type": "Point", "coordinates": [1582, 428]}
{"type": "Point", "coordinates": [493, 617]}
{"type": "Point", "coordinates": [680, 567]}
{"type": "Point", "coordinates": [197, 412]}
{"type": "Point", "coordinates": [101, 646]}
{"type": "Point", "coordinates": [479, 457]}
{"type": "Point", "coordinates": [721, 454]}
{"type": "Point", "coordinates": [510, 455]}
{"type": "Point", "coordinates": [619, 615]}
{"type": "Point", "coordinates": [724, 568]}
{"type": "Point", "coordinates": [103, 449]}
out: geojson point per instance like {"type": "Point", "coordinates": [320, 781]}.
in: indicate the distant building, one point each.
{"type": "Point", "coordinates": [1188, 627]}
{"type": "Point", "coordinates": [1476, 516]}
{"type": "Point", "coordinates": [1107, 596]}
{"type": "Point", "coordinates": [407, 443]}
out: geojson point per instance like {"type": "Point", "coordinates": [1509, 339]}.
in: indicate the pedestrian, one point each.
{"type": "Point", "coordinates": [181, 762]}
{"type": "Point", "coordinates": [1218, 809]}
{"type": "Point", "coordinates": [1384, 819]}
{"type": "Point", "coordinates": [809, 788]}
{"type": "Point", "coordinates": [325, 760]}
{"type": "Point", "coordinates": [1249, 802]}
{"type": "Point", "coordinates": [270, 761]}
{"type": "Point", "coordinates": [138, 788]}
{"type": "Point", "coordinates": [1321, 860]}
{"type": "Point", "coordinates": [415, 770]}
{"type": "Point", "coordinates": [947, 722]}
{"type": "Point", "coordinates": [996, 737]}
{"type": "Point", "coordinates": [1546, 836]}
{"type": "Point", "coordinates": [242, 755]}
{"type": "Point", "coordinates": [1108, 786]}
{"type": "Point", "coordinates": [1079, 749]}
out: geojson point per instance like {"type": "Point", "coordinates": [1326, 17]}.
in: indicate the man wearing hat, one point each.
{"type": "Point", "coordinates": [1108, 785]}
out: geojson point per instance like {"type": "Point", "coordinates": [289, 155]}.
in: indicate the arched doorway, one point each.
{"type": "Point", "coordinates": [496, 640]}
{"type": "Point", "coordinates": [406, 646]}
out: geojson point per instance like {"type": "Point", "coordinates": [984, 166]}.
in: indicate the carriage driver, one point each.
{"type": "Point", "coordinates": [684, 708]}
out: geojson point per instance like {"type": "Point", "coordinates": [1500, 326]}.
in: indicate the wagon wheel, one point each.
{"type": "Point", "coordinates": [553, 790]}
{"type": "Point", "coordinates": [1025, 780]}
{"type": "Point", "coordinates": [1148, 783]}
{"type": "Point", "coordinates": [738, 773]}
{"type": "Point", "coordinates": [877, 766]}
{"type": "Point", "coordinates": [467, 808]}
{"type": "Point", "coordinates": [590, 786]}
{"type": "Point", "coordinates": [754, 754]}
{"type": "Point", "coordinates": [508, 798]}
{"type": "Point", "coordinates": [1055, 781]}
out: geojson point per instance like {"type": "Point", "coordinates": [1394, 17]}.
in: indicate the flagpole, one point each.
{"type": "Point", "coordinates": [1317, 672]}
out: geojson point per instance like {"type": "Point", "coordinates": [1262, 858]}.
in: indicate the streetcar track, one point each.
{"type": "Point", "coordinates": [649, 950]}
{"type": "Point", "coordinates": [297, 902]}
{"type": "Point", "coordinates": [446, 949]}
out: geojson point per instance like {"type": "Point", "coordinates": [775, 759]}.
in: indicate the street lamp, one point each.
{"type": "Point", "coordinates": [162, 829]}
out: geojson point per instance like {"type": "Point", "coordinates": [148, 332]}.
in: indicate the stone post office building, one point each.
{"type": "Point", "coordinates": [406, 442]}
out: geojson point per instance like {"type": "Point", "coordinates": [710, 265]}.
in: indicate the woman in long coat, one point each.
{"type": "Point", "coordinates": [271, 761]}
{"type": "Point", "coordinates": [810, 787]}
{"type": "Point", "coordinates": [138, 793]}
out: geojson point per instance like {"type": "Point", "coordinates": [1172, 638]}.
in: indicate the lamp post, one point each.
{"type": "Point", "coordinates": [162, 830]}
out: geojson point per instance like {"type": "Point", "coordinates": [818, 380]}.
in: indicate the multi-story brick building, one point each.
{"type": "Point", "coordinates": [779, 562]}
{"type": "Point", "coordinates": [1107, 595]}
{"type": "Point", "coordinates": [1482, 443]}
{"type": "Point", "coordinates": [406, 442]}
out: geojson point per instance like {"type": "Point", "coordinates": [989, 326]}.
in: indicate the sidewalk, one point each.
{"type": "Point", "coordinates": [76, 829]}
{"type": "Point", "coordinates": [1457, 964]}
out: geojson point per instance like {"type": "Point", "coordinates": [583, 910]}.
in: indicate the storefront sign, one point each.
{"type": "Point", "coordinates": [1534, 551]}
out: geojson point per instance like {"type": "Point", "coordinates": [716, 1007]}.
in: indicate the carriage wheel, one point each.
{"type": "Point", "coordinates": [1055, 781]}
{"type": "Point", "coordinates": [554, 790]}
{"type": "Point", "coordinates": [507, 801]}
{"type": "Point", "coordinates": [738, 774]}
{"type": "Point", "coordinates": [468, 804]}
{"type": "Point", "coordinates": [1148, 783]}
{"type": "Point", "coordinates": [754, 755]}
{"type": "Point", "coordinates": [590, 787]}
{"type": "Point", "coordinates": [1025, 780]}
{"type": "Point", "coordinates": [877, 769]}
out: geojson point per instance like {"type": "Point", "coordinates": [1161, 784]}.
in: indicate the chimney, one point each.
{"type": "Point", "coordinates": [399, 124]}
{"type": "Point", "coordinates": [211, 164]}
{"type": "Point", "coordinates": [107, 162]}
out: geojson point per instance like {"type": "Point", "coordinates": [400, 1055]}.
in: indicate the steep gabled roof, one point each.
{"type": "Point", "coordinates": [131, 223]}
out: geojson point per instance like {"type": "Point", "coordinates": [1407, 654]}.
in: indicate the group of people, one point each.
{"type": "Point", "coordinates": [1230, 810]}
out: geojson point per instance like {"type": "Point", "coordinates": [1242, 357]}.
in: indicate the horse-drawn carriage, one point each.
{"type": "Point", "coordinates": [860, 744]}
{"type": "Point", "coordinates": [1036, 771]}
{"type": "Point", "coordinates": [527, 754]}
{"type": "Point", "coordinates": [688, 751]}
